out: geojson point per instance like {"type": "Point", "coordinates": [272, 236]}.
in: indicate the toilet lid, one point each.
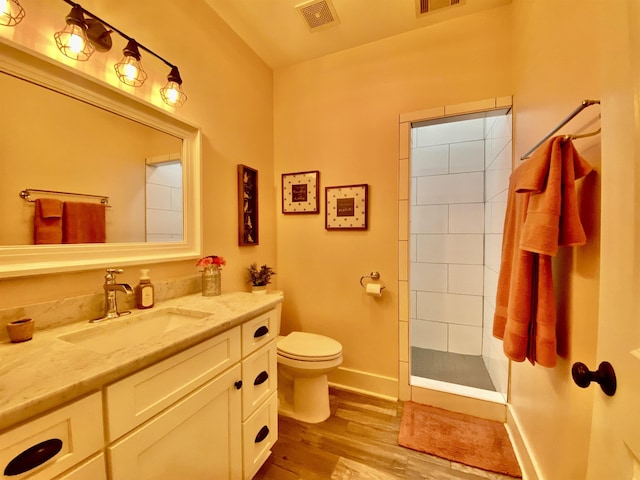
{"type": "Point", "coordinates": [309, 346]}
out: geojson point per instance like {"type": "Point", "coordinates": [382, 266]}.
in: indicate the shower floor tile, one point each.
{"type": "Point", "coordinates": [448, 367]}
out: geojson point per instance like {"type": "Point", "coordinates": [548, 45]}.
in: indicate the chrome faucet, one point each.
{"type": "Point", "coordinates": [110, 300]}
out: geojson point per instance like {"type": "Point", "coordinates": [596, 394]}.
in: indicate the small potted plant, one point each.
{"type": "Point", "coordinates": [259, 277]}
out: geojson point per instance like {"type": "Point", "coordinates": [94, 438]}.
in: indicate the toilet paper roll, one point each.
{"type": "Point", "coordinates": [374, 289]}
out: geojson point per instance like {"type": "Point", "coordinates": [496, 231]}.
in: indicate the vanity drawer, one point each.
{"type": "Point", "coordinates": [140, 396]}
{"type": "Point", "coordinates": [259, 331]}
{"type": "Point", "coordinates": [259, 377]}
{"type": "Point", "coordinates": [69, 434]}
{"type": "Point", "coordinates": [259, 433]}
{"type": "Point", "coordinates": [94, 469]}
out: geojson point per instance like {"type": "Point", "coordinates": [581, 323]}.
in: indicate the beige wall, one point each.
{"type": "Point", "coordinates": [339, 115]}
{"type": "Point", "coordinates": [230, 98]}
{"type": "Point", "coordinates": [555, 68]}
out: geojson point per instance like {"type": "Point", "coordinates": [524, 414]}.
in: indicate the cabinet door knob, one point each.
{"type": "Point", "coordinates": [261, 332]}
{"type": "Point", "coordinates": [262, 434]}
{"type": "Point", "coordinates": [238, 384]}
{"type": "Point", "coordinates": [262, 377]}
{"type": "Point", "coordinates": [605, 376]}
{"type": "Point", "coordinates": [33, 457]}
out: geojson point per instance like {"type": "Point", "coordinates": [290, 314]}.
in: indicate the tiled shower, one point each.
{"type": "Point", "coordinates": [459, 174]}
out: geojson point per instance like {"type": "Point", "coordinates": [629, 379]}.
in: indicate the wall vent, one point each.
{"type": "Point", "coordinates": [318, 13]}
{"type": "Point", "coordinates": [427, 6]}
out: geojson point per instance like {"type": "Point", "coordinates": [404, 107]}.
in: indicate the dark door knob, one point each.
{"type": "Point", "coordinates": [605, 376]}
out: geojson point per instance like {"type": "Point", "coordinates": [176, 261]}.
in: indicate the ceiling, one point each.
{"type": "Point", "coordinates": [279, 34]}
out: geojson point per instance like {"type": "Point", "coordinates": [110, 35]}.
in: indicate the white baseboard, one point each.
{"type": "Point", "coordinates": [365, 382]}
{"type": "Point", "coordinates": [521, 447]}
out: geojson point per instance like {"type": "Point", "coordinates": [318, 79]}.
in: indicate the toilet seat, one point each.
{"type": "Point", "coordinates": [309, 347]}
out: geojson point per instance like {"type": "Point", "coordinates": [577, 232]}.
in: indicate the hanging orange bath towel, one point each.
{"type": "Point", "coordinates": [84, 223]}
{"type": "Point", "coordinates": [542, 214]}
{"type": "Point", "coordinates": [47, 221]}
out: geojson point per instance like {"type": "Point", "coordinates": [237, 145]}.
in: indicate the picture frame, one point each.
{"type": "Point", "coordinates": [301, 192]}
{"type": "Point", "coordinates": [347, 207]}
{"type": "Point", "coordinates": [248, 231]}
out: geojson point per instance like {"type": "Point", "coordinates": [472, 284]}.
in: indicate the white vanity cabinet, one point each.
{"type": "Point", "coordinates": [50, 445]}
{"type": "Point", "coordinates": [259, 390]}
{"type": "Point", "coordinates": [180, 418]}
{"type": "Point", "coordinates": [207, 412]}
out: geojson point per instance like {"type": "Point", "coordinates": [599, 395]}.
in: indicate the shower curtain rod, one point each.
{"type": "Point", "coordinates": [583, 105]}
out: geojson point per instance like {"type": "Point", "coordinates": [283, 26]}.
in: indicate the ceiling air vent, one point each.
{"type": "Point", "coordinates": [318, 13]}
{"type": "Point", "coordinates": [428, 6]}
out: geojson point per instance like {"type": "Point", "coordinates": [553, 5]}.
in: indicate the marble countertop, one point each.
{"type": "Point", "coordinates": [45, 372]}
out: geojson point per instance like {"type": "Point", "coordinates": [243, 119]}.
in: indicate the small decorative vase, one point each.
{"type": "Point", "coordinates": [211, 281]}
{"type": "Point", "coordinates": [20, 330]}
{"type": "Point", "coordinates": [259, 289]}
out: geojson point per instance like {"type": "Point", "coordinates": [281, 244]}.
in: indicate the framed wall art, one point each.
{"type": "Point", "coordinates": [301, 192]}
{"type": "Point", "coordinates": [247, 206]}
{"type": "Point", "coordinates": [346, 207]}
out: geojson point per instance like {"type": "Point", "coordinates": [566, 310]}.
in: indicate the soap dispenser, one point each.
{"type": "Point", "coordinates": [145, 291]}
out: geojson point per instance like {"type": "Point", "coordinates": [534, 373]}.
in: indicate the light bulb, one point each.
{"type": "Point", "coordinates": [11, 13]}
{"type": "Point", "coordinates": [129, 70]}
{"type": "Point", "coordinates": [72, 39]}
{"type": "Point", "coordinates": [172, 93]}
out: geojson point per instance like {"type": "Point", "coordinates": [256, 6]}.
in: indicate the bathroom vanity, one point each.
{"type": "Point", "coordinates": [195, 397]}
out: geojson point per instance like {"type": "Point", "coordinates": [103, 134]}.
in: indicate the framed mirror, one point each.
{"type": "Point", "coordinates": [69, 137]}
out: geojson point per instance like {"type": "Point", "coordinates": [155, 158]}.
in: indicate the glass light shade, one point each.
{"type": "Point", "coordinates": [130, 71]}
{"type": "Point", "coordinates": [11, 13]}
{"type": "Point", "coordinates": [72, 40]}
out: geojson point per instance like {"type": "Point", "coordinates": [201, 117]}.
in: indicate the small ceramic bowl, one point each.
{"type": "Point", "coordinates": [21, 330]}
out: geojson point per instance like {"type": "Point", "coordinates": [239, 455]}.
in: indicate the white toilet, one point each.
{"type": "Point", "coordinates": [304, 359]}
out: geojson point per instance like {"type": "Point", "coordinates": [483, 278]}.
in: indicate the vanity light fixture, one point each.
{"type": "Point", "coordinates": [172, 93]}
{"type": "Point", "coordinates": [86, 32]}
{"type": "Point", "coordinates": [72, 40]}
{"type": "Point", "coordinates": [11, 13]}
{"type": "Point", "coordinates": [129, 69]}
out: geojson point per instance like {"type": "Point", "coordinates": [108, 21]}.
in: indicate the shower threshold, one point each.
{"type": "Point", "coordinates": [462, 390]}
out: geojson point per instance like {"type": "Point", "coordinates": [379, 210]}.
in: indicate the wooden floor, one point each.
{"type": "Point", "coordinates": [358, 441]}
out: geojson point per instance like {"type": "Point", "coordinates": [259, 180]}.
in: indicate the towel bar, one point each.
{"type": "Point", "coordinates": [26, 195]}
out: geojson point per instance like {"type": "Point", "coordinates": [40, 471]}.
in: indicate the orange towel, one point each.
{"type": "Point", "coordinates": [84, 223]}
{"type": "Point", "coordinates": [47, 221]}
{"type": "Point", "coordinates": [542, 214]}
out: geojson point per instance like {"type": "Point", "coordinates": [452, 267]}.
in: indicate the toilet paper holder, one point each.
{"type": "Point", "coordinates": [373, 276]}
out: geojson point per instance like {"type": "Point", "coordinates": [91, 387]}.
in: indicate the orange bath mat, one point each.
{"type": "Point", "coordinates": [458, 437]}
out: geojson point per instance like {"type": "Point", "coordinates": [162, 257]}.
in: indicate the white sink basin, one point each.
{"type": "Point", "coordinates": [124, 332]}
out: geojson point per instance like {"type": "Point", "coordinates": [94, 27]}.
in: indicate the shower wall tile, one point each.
{"type": "Point", "coordinates": [493, 250]}
{"type": "Point", "coordinates": [466, 218]}
{"type": "Point", "coordinates": [450, 132]}
{"type": "Point", "coordinates": [466, 157]}
{"type": "Point", "coordinates": [158, 197]}
{"type": "Point", "coordinates": [413, 308]}
{"type": "Point", "coordinates": [450, 249]}
{"type": "Point", "coordinates": [413, 247]}
{"type": "Point", "coordinates": [501, 158]}
{"type": "Point", "coordinates": [496, 181]}
{"type": "Point", "coordinates": [445, 307]}
{"type": "Point", "coordinates": [465, 340]}
{"type": "Point", "coordinates": [490, 280]}
{"type": "Point", "coordinates": [466, 279]}
{"type": "Point", "coordinates": [413, 191]}
{"type": "Point", "coordinates": [432, 160]}
{"type": "Point", "coordinates": [428, 277]}
{"type": "Point", "coordinates": [456, 188]}
{"type": "Point", "coordinates": [430, 219]}
{"type": "Point", "coordinates": [431, 335]}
